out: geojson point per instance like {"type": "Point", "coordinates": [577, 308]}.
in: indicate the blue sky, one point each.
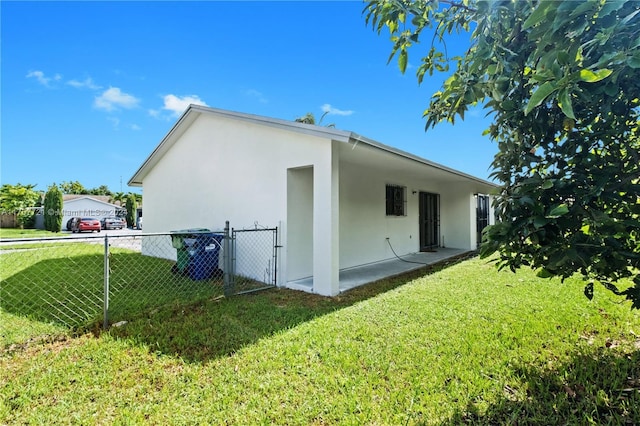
{"type": "Point", "coordinates": [90, 88]}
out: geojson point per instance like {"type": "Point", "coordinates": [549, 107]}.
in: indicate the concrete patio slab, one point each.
{"type": "Point", "coordinates": [365, 274]}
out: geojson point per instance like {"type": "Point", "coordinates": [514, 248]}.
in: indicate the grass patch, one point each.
{"type": "Point", "coordinates": [19, 330]}
{"type": "Point", "coordinates": [6, 233]}
{"type": "Point", "coordinates": [62, 283]}
{"type": "Point", "coordinates": [464, 345]}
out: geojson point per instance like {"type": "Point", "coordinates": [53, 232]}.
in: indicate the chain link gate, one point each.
{"type": "Point", "coordinates": [251, 263]}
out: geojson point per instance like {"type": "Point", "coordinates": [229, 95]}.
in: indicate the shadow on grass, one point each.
{"type": "Point", "coordinates": [221, 326]}
{"type": "Point", "coordinates": [602, 387]}
{"type": "Point", "coordinates": [68, 289]}
{"type": "Point", "coordinates": [170, 313]}
{"type": "Point", "coordinates": [65, 291]}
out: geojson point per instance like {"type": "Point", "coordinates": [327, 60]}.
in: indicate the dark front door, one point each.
{"type": "Point", "coordinates": [482, 215]}
{"type": "Point", "coordinates": [429, 221]}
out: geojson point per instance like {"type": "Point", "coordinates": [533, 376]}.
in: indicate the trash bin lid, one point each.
{"type": "Point", "coordinates": [178, 236]}
{"type": "Point", "coordinates": [190, 231]}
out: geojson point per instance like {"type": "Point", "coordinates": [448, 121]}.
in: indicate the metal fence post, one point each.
{"type": "Point", "coordinates": [105, 301]}
{"type": "Point", "coordinates": [226, 260]}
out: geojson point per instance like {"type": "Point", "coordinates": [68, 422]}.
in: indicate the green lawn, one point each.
{"type": "Point", "coordinates": [466, 344]}
{"type": "Point", "coordinates": [6, 233]}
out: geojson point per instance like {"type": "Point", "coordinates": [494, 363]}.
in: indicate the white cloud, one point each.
{"type": "Point", "coordinates": [135, 127]}
{"type": "Point", "coordinates": [177, 104]}
{"type": "Point", "coordinates": [256, 94]}
{"type": "Point", "coordinates": [113, 98]}
{"type": "Point", "coordinates": [88, 83]}
{"type": "Point", "coordinates": [42, 79]}
{"type": "Point", "coordinates": [334, 111]}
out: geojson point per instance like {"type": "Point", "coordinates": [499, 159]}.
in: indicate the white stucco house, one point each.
{"type": "Point", "coordinates": [82, 205]}
{"type": "Point", "coordinates": [338, 198]}
{"type": "Point", "coordinates": [95, 206]}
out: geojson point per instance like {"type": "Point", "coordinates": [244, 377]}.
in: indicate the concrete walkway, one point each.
{"type": "Point", "coordinates": [365, 274]}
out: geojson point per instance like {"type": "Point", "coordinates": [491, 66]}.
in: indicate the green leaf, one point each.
{"type": "Point", "coordinates": [538, 15]}
{"type": "Point", "coordinates": [634, 61]}
{"type": "Point", "coordinates": [611, 6]}
{"type": "Point", "coordinates": [581, 9]}
{"type": "Point", "coordinates": [540, 221]}
{"type": "Point", "coordinates": [630, 17]}
{"type": "Point", "coordinates": [563, 57]}
{"type": "Point", "coordinates": [593, 77]}
{"type": "Point", "coordinates": [559, 210]}
{"type": "Point", "coordinates": [540, 95]}
{"type": "Point", "coordinates": [402, 61]}
{"type": "Point", "coordinates": [564, 99]}
{"type": "Point", "coordinates": [547, 184]}
{"type": "Point", "coordinates": [526, 200]}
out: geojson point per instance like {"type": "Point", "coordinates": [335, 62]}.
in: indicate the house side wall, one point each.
{"type": "Point", "coordinates": [224, 169]}
{"type": "Point", "coordinates": [364, 226]}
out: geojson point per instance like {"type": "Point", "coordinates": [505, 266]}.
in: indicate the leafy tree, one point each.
{"type": "Point", "coordinates": [132, 206]}
{"type": "Point", "coordinates": [118, 197]}
{"type": "Point", "coordinates": [101, 190]}
{"type": "Point", "coordinates": [53, 209]}
{"type": "Point", "coordinates": [74, 187]}
{"type": "Point", "coordinates": [309, 118]}
{"type": "Point", "coordinates": [560, 80]}
{"type": "Point", "coordinates": [18, 199]}
{"type": "Point", "coordinates": [138, 197]}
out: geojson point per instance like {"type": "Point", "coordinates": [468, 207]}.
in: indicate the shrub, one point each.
{"type": "Point", "coordinates": [53, 209]}
{"type": "Point", "coordinates": [132, 206]}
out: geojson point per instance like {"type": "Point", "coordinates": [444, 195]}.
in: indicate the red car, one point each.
{"type": "Point", "coordinates": [79, 224]}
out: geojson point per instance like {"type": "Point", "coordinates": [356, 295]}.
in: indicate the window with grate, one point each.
{"type": "Point", "coordinates": [396, 200]}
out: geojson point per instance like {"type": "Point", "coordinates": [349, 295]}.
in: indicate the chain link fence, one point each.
{"type": "Point", "coordinates": [87, 280]}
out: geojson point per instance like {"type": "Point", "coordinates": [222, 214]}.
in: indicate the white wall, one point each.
{"type": "Point", "coordinates": [364, 225]}
{"type": "Point", "coordinates": [458, 216]}
{"type": "Point", "coordinates": [224, 169]}
{"type": "Point", "coordinates": [299, 249]}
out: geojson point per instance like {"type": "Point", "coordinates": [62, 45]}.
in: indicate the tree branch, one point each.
{"type": "Point", "coordinates": [458, 5]}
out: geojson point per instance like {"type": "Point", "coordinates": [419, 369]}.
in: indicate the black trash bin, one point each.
{"type": "Point", "coordinates": [197, 252]}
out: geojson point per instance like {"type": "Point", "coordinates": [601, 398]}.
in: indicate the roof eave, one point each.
{"type": "Point", "coordinates": [356, 138]}
{"type": "Point", "coordinates": [193, 111]}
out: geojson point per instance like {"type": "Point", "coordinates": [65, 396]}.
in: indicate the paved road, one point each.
{"type": "Point", "coordinates": [125, 238]}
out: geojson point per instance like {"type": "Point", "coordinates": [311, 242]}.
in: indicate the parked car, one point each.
{"type": "Point", "coordinates": [139, 225]}
{"type": "Point", "coordinates": [69, 223]}
{"type": "Point", "coordinates": [79, 224]}
{"type": "Point", "coordinates": [113, 222]}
